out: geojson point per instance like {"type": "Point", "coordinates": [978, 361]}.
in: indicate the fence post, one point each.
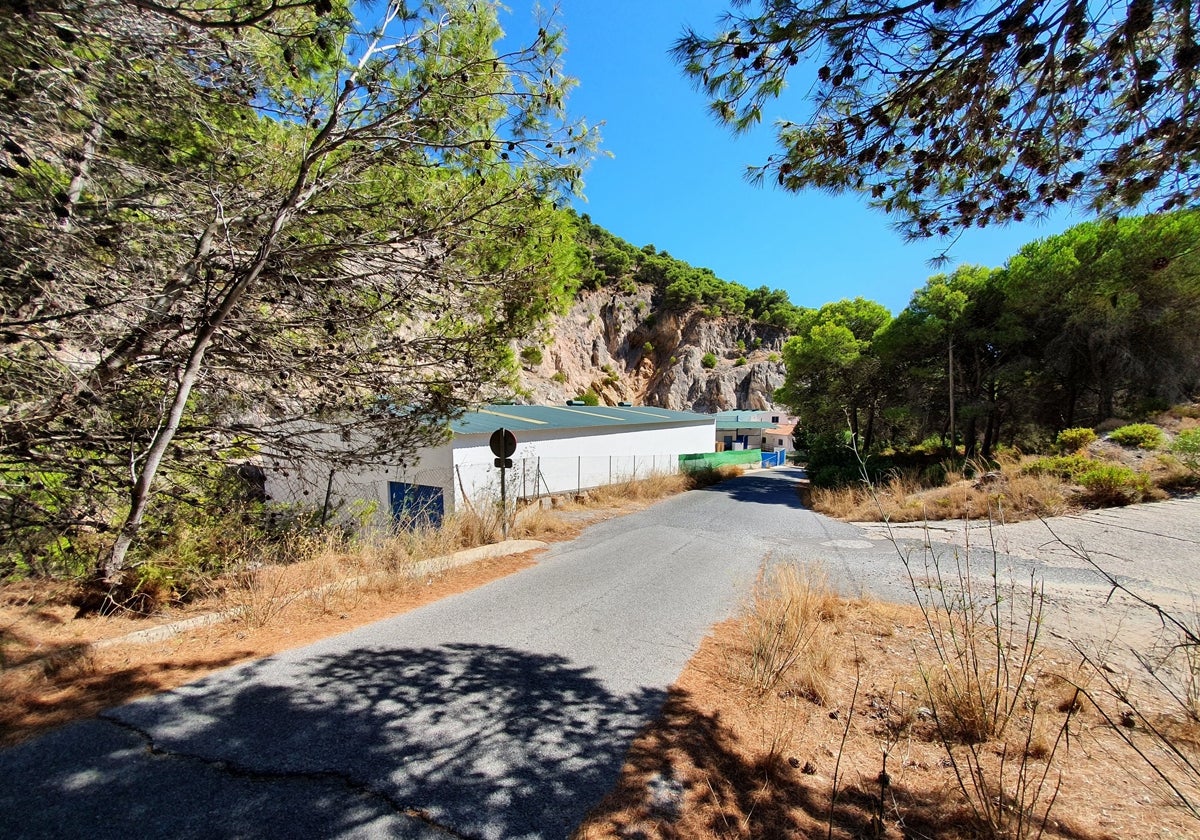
{"type": "Point", "coordinates": [578, 474]}
{"type": "Point", "coordinates": [328, 493]}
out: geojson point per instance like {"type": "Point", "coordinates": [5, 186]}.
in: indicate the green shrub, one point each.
{"type": "Point", "coordinates": [674, 360]}
{"type": "Point", "coordinates": [1113, 484]}
{"type": "Point", "coordinates": [648, 348]}
{"type": "Point", "coordinates": [774, 357]}
{"type": "Point", "coordinates": [1141, 435]}
{"type": "Point", "coordinates": [1186, 447]}
{"type": "Point", "coordinates": [559, 377]}
{"type": "Point", "coordinates": [1065, 467]}
{"type": "Point", "coordinates": [741, 345]}
{"type": "Point", "coordinates": [1074, 440]}
{"type": "Point", "coordinates": [531, 356]}
{"type": "Point", "coordinates": [741, 360]}
{"type": "Point", "coordinates": [588, 397]}
{"type": "Point", "coordinates": [709, 361]}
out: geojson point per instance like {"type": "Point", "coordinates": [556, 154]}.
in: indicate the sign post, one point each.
{"type": "Point", "coordinates": [503, 444]}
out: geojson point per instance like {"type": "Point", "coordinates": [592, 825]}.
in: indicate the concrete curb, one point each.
{"type": "Point", "coordinates": [434, 564]}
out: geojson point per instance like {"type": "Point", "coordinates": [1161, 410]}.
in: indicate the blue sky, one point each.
{"type": "Point", "coordinates": [675, 178]}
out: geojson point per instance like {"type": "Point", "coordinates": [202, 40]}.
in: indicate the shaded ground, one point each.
{"type": "Point", "coordinates": [55, 675]}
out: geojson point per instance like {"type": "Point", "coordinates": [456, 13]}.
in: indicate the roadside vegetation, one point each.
{"type": "Point", "coordinates": [811, 714]}
{"type": "Point", "coordinates": [1081, 468]}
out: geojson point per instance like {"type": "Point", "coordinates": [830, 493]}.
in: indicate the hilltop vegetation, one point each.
{"type": "Point", "coordinates": [608, 260]}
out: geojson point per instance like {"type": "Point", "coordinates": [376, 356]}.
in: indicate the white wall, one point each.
{"type": "Point", "coordinates": [359, 493]}
{"type": "Point", "coordinates": [566, 460]}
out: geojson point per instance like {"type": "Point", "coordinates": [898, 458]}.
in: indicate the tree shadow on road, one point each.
{"type": "Point", "coordinates": [486, 740]}
{"type": "Point", "coordinates": [772, 488]}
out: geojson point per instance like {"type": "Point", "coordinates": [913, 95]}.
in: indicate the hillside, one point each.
{"type": "Point", "coordinates": [622, 348]}
{"type": "Point", "coordinates": [642, 324]}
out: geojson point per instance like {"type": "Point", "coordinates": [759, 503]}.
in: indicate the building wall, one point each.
{"type": "Point", "coordinates": [358, 493]}
{"type": "Point", "coordinates": [568, 460]}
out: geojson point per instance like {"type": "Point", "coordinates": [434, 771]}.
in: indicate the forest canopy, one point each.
{"type": "Point", "coordinates": [950, 114]}
{"type": "Point", "coordinates": [1094, 323]}
{"type": "Point", "coordinates": [230, 223]}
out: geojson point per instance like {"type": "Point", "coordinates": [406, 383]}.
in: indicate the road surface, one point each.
{"type": "Point", "coordinates": [503, 712]}
{"type": "Point", "coordinates": [499, 713]}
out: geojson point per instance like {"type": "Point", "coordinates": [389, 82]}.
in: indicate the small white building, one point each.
{"type": "Point", "coordinates": [560, 449]}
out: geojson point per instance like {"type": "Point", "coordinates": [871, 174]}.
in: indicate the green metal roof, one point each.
{"type": "Point", "coordinates": [726, 424]}
{"type": "Point", "coordinates": [547, 417]}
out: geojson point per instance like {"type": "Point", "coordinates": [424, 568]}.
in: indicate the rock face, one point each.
{"type": "Point", "coordinates": [622, 348]}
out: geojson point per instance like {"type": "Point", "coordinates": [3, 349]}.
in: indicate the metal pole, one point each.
{"type": "Point", "coordinates": [503, 504]}
{"type": "Point", "coordinates": [328, 493]}
{"type": "Point", "coordinates": [578, 474]}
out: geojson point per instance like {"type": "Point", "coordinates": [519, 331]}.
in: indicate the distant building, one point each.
{"type": "Point", "coordinates": [753, 430]}
{"type": "Point", "coordinates": [560, 449]}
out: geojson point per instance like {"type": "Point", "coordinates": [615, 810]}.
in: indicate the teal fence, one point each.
{"type": "Point", "coordinates": [703, 460]}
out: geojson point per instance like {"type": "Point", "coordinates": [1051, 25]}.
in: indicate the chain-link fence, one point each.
{"type": "Point", "coordinates": [373, 498]}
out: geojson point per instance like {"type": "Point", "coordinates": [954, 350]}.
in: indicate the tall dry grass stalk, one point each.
{"type": "Point", "coordinates": [786, 629]}
{"type": "Point", "coordinates": [980, 685]}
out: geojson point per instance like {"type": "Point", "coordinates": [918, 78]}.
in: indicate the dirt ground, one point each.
{"type": "Point", "coordinates": [58, 668]}
{"type": "Point", "coordinates": [723, 763]}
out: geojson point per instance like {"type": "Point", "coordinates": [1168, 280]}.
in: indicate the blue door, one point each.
{"type": "Point", "coordinates": [415, 505]}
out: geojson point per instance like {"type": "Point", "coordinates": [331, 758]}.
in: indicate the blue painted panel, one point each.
{"type": "Point", "coordinates": [415, 504]}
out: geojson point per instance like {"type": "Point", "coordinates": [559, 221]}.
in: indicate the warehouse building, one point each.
{"type": "Point", "coordinates": [560, 449]}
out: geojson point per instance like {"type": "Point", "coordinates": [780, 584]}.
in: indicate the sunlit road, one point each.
{"type": "Point", "coordinates": [506, 711]}
{"type": "Point", "coordinates": [503, 712]}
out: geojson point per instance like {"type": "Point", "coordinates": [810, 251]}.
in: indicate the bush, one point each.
{"type": "Point", "coordinates": [1074, 440]}
{"type": "Point", "coordinates": [1066, 467]}
{"type": "Point", "coordinates": [589, 397]}
{"type": "Point", "coordinates": [559, 377]}
{"type": "Point", "coordinates": [531, 356]}
{"type": "Point", "coordinates": [708, 361]}
{"type": "Point", "coordinates": [1186, 447]}
{"type": "Point", "coordinates": [1141, 435]}
{"type": "Point", "coordinates": [648, 348]}
{"type": "Point", "coordinates": [1113, 484]}
{"type": "Point", "coordinates": [741, 360]}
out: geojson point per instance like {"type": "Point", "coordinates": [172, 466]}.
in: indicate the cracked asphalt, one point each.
{"type": "Point", "coordinates": [504, 712]}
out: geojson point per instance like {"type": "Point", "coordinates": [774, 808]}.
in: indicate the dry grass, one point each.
{"type": "Point", "coordinates": [867, 759]}
{"type": "Point", "coordinates": [902, 498]}
{"type": "Point", "coordinates": [786, 625]}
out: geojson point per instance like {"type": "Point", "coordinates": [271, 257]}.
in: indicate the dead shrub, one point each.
{"type": "Point", "coordinates": [786, 633]}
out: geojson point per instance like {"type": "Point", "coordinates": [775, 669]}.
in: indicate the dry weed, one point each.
{"type": "Point", "coordinates": [786, 631]}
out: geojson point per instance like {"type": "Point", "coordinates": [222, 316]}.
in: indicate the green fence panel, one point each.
{"type": "Point", "coordinates": [708, 460]}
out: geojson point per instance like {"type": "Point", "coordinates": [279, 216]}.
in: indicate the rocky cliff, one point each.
{"type": "Point", "coordinates": [624, 349]}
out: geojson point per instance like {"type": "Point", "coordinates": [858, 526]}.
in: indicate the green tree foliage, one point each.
{"type": "Point", "coordinates": [609, 260]}
{"type": "Point", "coordinates": [1094, 323]}
{"type": "Point", "coordinates": [1109, 312]}
{"type": "Point", "coordinates": [230, 225]}
{"type": "Point", "coordinates": [953, 114]}
{"type": "Point", "coordinates": [708, 361]}
{"type": "Point", "coordinates": [833, 369]}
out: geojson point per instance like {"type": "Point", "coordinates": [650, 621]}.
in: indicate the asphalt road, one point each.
{"type": "Point", "coordinates": [500, 713]}
{"type": "Point", "coordinates": [504, 712]}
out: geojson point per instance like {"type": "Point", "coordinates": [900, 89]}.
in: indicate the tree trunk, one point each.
{"type": "Point", "coordinates": [950, 378]}
{"type": "Point", "coordinates": [139, 495]}
{"type": "Point", "coordinates": [79, 178]}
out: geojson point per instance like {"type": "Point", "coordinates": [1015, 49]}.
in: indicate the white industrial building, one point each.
{"type": "Point", "coordinates": [560, 449]}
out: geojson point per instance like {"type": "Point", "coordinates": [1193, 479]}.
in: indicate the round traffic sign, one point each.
{"type": "Point", "coordinates": [503, 443]}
